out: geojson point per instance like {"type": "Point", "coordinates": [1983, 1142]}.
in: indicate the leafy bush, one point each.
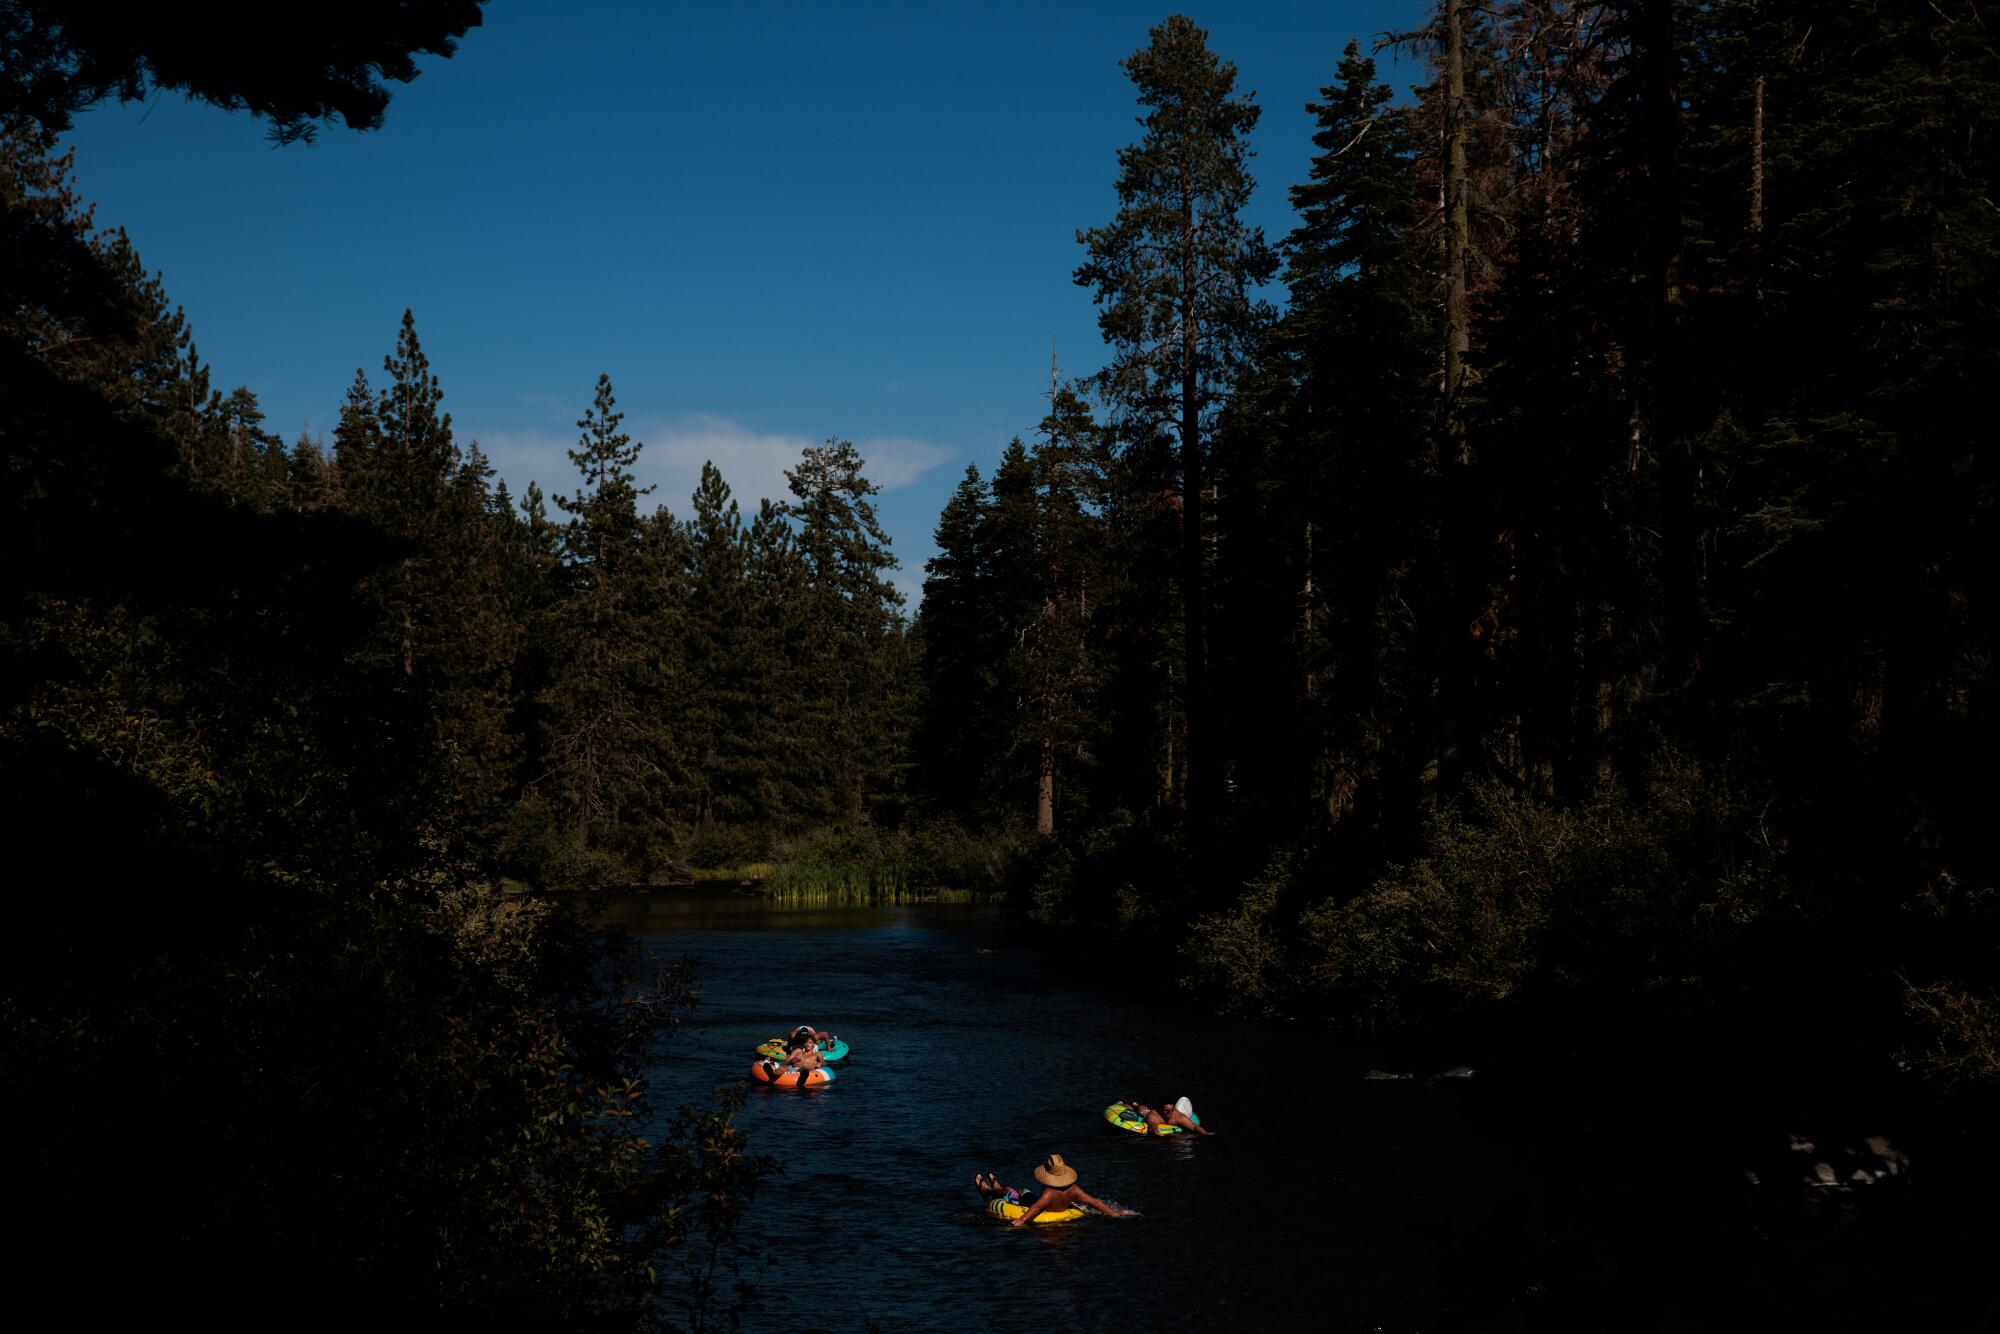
{"type": "Point", "coordinates": [1648, 893]}
{"type": "Point", "coordinates": [1959, 1044]}
{"type": "Point", "coordinates": [943, 854]}
{"type": "Point", "coordinates": [538, 848]}
{"type": "Point", "coordinates": [711, 847]}
{"type": "Point", "coordinates": [1237, 957]}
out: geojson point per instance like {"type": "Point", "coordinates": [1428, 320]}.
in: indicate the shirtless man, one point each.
{"type": "Point", "coordinates": [1169, 1114]}
{"type": "Point", "coordinates": [1060, 1191]}
{"type": "Point", "coordinates": [806, 1057]}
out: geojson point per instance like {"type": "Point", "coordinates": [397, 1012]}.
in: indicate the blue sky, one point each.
{"type": "Point", "coordinates": [769, 224]}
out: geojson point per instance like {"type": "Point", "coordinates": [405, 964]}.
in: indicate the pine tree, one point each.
{"type": "Point", "coordinates": [1175, 271]}
{"type": "Point", "coordinates": [440, 636]}
{"type": "Point", "coordinates": [605, 751]}
{"type": "Point", "coordinates": [1333, 520]}
{"type": "Point", "coordinates": [1047, 566]}
{"type": "Point", "coordinates": [959, 648]}
{"type": "Point", "coordinates": [725, 659]}
{"type": "Point", "coordinates": [309, 477]}
{"type": "Point", "coordinates": [849, 614]}
{"type": "Point", "coordinates": [784, 769]}
{"type": "Point", "coordinates": [1010, 545]}
{"type": "Point", "coordinates": [484, 637]}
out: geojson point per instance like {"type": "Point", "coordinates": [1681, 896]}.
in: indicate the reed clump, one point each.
{"type": "Point", "coordinates": [847, 865]}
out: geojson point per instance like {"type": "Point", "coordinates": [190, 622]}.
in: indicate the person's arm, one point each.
{"type": "Point", "coordinates": [1101, 1206]}
{"type": "Point", "coordinates": [1034, 1209]}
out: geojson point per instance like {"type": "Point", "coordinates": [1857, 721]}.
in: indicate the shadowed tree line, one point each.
{"type": "Point", "coordinates": [1559, 630]}
{"type": "Point", "coordinates": [274, 1046]}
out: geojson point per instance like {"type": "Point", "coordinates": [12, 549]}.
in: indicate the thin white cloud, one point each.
{"type": "Point", "coordinates": [910, 583]}
{"type": "Point", "coordinates": [752, 462]}
{"type": "Point", "coordinates": [896, 461]}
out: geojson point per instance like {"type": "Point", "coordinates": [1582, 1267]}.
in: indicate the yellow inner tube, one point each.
{"type": "Point", "coordinates": [1010, 1212]}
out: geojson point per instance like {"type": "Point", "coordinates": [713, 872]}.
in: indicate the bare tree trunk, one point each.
{"type": "Point", "coordinates": [586, 803]}
{"type": "Point", "coordinates": [1757, 187]}
{"type": "Point", "coordinates": [1450, 616]}
{"type": "Point", "coordinates": [1458, 230]}
{"type": "Point", "coordinates": [1045, 791]}
{"type": "Point", "coordinates": [1669, 387]}
{"type": "Point", "coordinates": [1306, 619]}
{"type": "Point", "coordinates": [1757, 156]}
{"type": "Point", "coordinates": [1195, 792]}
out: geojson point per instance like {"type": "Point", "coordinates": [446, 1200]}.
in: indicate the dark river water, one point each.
{"type": "Point", "coordinates": [1322, 1200]}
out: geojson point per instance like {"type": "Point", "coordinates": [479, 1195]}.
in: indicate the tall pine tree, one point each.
{"type": "Point", "coordinates": [848, 617]}
{"type": "Point", "coordinates": [605, 753]}
{"type": "Point", "coordinates": [1176, 272]}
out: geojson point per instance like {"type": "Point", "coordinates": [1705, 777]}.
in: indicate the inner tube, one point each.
{"type": "Point", "coordinates": [834, 1049]}
{"type": "Point", "coordinates": [1118, 1114]}
{"type": "Point", "coordinates": [1010, 1211]}
{"type": "Point", "coordinates": [770, 1072]}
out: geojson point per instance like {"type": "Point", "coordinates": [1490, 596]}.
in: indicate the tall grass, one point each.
{"type": "Point", "coordinates": [841, 865]}
{"type": "Point", "coordinates": [808, 882]}
{"type": "Point", "coordinates": [835, 884]}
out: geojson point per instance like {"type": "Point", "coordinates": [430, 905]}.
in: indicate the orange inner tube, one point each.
{"type": "Point", "coordinates": [762, 1072]}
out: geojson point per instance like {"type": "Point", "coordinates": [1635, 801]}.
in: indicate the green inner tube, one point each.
{"type": "Point", "coordinates": [1125, 1118]}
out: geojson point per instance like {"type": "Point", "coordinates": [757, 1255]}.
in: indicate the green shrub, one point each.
{"type": "Point", "coordinates": [943, 854]}
{"type": "Point", "coordinates": [1236, 957]}
{"type": "Point", "coordinates": [1646, 894]}
{"type": "Point", "coordinates": [1959, 1042]}
{"type": "Point", "coordinates": [538, 848]}
{"type": "Point", "coordinates": [712, 847]}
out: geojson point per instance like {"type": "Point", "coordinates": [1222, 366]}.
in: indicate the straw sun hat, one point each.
{"type": "Point", "coordinates": [1055, 1172]}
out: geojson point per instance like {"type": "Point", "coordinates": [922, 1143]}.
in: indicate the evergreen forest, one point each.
{"type": "Point", "coordinates": [1530, 612]}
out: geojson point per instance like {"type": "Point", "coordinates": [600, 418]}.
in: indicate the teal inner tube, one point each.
{"type": "Point", "coordinates": [834, 1049]}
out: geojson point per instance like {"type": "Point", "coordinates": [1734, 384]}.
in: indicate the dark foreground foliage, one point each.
{"type": "Point", "coordinates": [273, 1047]}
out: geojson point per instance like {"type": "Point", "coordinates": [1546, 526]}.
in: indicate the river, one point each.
{"type": "Point", "coordinates": [1322, 1198]}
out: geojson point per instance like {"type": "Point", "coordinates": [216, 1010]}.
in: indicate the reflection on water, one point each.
{"type": "Point", "coordinates": [1320, 1200]}
{"type": "Point", "coordinates": [671, 910]}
